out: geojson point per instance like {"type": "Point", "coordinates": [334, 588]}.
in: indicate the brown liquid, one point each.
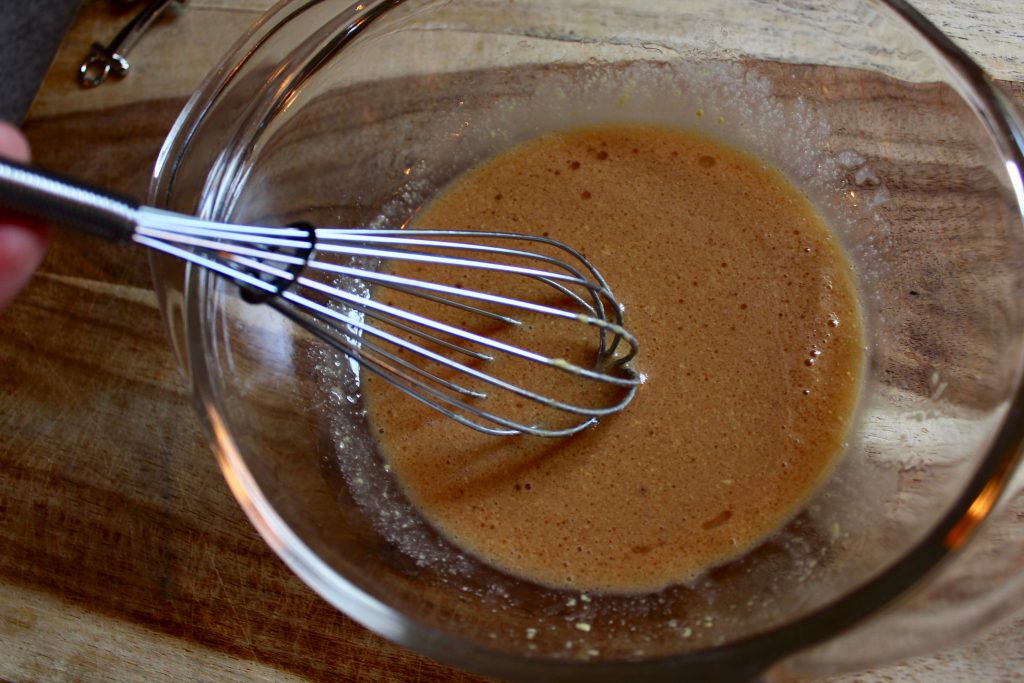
{"type": "Point", "coordinates": [751, 339]}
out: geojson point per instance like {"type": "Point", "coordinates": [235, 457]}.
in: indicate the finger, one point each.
{"type": "Point", "coordinates": [21, 251]}
{"type": "Point", "coordinates": [13, 144]}
{"type": "Point", "coordinates": [22, 242]}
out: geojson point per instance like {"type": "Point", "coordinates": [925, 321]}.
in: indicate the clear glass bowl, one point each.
{"type": "Point", "coordinates": [356, 115]}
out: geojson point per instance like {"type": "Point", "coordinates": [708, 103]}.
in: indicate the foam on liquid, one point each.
{"type": "Point", "coordinates": [751, 339]}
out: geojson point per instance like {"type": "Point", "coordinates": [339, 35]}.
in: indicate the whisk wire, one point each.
{"type": "Point", "coordinates": [196, 237]}
{"type": "Point", "coordinates": [426, 322]}
{"type": "Point", "coordinates": [233, 274]}
{"type": "Point", "coordinates": [386, 279]}
{"type": "Point", "coordinates": [235, 249]}
{"type": "Point", "coordinates": [457, 305]}
{"type": "Point", "coordinates": [387, 238]}
{"type": "Point", "coordinates": [437, 399]}
{"type": "Point", "coordinates": [442, 360]}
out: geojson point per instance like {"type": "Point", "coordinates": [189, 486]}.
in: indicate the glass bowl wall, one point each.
{"type": "Point", "coordinates": [357, 115]}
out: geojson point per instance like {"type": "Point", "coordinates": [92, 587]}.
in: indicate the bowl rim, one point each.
{"type": "Point", "coordinates": [744, 658]}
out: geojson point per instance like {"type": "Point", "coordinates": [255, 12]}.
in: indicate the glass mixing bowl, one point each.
{"type": "Point", "coordinates": [356, 115]}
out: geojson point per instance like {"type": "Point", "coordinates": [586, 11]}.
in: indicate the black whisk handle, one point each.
{"type": "Point", "coordinates": [52, 198]}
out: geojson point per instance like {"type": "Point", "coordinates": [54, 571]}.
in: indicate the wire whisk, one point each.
{"type": "Point", "coordinates": [505, 333]}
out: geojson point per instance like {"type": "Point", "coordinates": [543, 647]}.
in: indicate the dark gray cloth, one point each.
{"type": "Point", "coordinates": [30, 32]}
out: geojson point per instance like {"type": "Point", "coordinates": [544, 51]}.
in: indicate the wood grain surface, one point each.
{"type": "Point", "coordinates": [123, 556]}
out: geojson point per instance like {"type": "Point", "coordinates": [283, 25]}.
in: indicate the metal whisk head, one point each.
{"type": "Point", "coordinates": [505, 333]}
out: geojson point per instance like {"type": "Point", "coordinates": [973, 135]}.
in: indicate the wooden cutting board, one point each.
{"type": "Point", "coordinates": [123, 556]}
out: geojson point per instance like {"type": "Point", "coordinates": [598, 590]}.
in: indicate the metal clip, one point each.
{"type": "Point", "coordinates": [105, 60]}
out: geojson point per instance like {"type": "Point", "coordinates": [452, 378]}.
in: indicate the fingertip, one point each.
{"type": "Point", "coordinates": [22, 248]}
{"type": "Point", "coordinates": [13, 144]}
{"type": "Point", "coordinates": [23, 243]}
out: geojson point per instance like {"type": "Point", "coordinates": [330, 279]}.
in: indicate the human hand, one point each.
{"type": "Point", "coordinates": [22, 241]}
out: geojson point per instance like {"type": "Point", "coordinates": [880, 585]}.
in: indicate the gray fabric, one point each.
{"type": "Point", "coordinates": [30, 32]}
